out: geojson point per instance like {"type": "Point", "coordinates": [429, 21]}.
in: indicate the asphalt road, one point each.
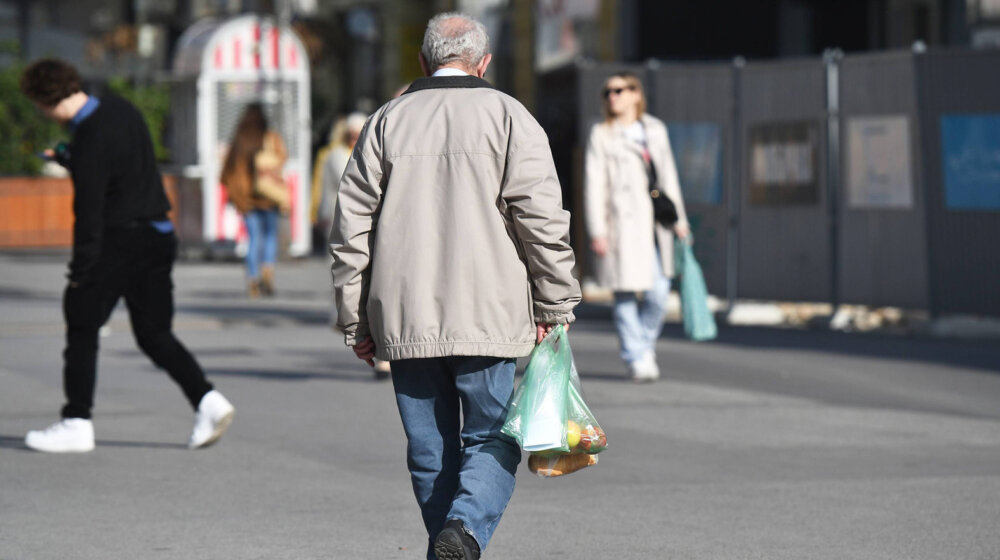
{"type": "Point", "coordinates": [766, 444]}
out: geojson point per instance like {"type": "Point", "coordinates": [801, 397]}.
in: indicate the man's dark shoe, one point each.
{"type": "Point", "coordinates": [455, 543]}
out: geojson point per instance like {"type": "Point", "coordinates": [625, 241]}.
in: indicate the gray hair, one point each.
{"type": "Point", "coordinates": [454, 37]}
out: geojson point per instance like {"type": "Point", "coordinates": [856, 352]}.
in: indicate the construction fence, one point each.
{"type": "Point", "coordinates": [871, 179]}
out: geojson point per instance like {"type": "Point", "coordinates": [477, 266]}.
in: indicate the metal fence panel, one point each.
{"type": "Point", "coordinates": [696, 103]}
{"type": "Point", "coordinates": [959, 95]}
{"type": "Point", "coordinates": [881, 227]}
{"type": "Point", "coordinates": [784, 235]}
{"type": "Point", "coordinates": [184, 130]}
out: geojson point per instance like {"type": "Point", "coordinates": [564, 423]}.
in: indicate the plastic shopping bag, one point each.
{"type": "Point", "coordinates": [547, 414]}
{"type": "Point", "coordinates": [699, 324]}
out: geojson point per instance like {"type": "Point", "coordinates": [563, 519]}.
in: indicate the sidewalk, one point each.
{"type": "Point", "coordinates": [822, 316]}
{"type": "Point", "coordinates": [768, 443]}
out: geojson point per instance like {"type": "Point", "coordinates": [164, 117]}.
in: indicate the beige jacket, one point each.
{"type": "Point", "coordinates": [618, 207]}
{"type": "Point", "coordinates": [449, 236]}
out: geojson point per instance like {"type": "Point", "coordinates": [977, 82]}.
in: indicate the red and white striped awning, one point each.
{"type": "Point", "coordinates": [254, 47]}
{"type": "Point", "coordinates": [244, 44]}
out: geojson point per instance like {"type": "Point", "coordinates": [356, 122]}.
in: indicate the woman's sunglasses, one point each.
{"type": "Point", "coordinates": [617, 91]}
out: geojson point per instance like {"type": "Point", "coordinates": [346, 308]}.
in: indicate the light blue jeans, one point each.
{"type": "Point", "coordinates": [460, 464]}
{"type": "Point", "coordinates": [639, 322]}
{"type": "Point", "coordinates": [262, 249]}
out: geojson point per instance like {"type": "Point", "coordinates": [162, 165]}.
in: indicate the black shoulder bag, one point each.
{"type": "Point", "coordinates": [664, 210]}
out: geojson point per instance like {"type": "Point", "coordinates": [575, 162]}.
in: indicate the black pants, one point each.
{"type": "Point", "coordinates": [136, 263]}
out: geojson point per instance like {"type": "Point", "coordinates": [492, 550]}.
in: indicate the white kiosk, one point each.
{"type": "Point", "coordinates": [221, 66]}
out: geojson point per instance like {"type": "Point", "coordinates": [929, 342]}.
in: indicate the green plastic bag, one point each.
{"type": "Point", "coordinates": [699, 324]}
{"type": "Point", "coordinates": [547, 415]}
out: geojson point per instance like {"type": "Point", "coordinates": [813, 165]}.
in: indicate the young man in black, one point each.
{"type": "Point", "coordinates": [123, 246]}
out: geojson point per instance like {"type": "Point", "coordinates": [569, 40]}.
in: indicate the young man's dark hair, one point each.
{"type": "Point", "coordinates": [123, 248]}
{"type": "Point", "coordinates": [49, 81]}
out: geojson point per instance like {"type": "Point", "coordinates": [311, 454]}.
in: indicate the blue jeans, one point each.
{"type": "Point", "coordinates": [460, 464]}
{"type": "Point", "coordinates": [262, 231]}
{"type": "Point", "coordinates": [639, 322]}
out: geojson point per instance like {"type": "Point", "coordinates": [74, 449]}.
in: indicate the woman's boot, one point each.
{"type": "Point", "coordinates": [253, 289]}
{"type": "Point", "coordinates": [267, 281]}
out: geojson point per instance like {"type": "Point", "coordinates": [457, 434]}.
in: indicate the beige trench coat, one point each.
{"type": "Point", "coordinates": [618, 206]}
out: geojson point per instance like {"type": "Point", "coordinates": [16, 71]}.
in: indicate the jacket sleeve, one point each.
{"type": "Point", "coordinates": [533, 199]}
{"type": "Point", "coordinates": [91, 176]}
{"type": "Point", "coordinates": [595, 188]}
{"type": "Point", "coordinates": [352, 235]}
{"type": "Point", "coordinates": [670, 181]}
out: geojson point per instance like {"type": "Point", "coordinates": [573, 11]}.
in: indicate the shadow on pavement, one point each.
{"type": "Point", "coordinates": [141, 444]}
{"type": "Point", "coordinates": [261, 314]}
{"type": "Point", "coordinates": [17, 443]}
{"type": "Point", "coordinates": [283, 294]}
{"type": "Point", "coordinates": [21, 295]}
{"type": "Point", "coordinates": [352, 375]}
{"type": "Point", "coordinates": [973, 354]}
{"type": "Point", "coordinates": [13, 442]}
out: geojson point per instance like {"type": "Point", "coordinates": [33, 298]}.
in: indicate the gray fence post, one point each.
{"type": "Point", "coordinates": [736, 192]}
{"type": "Point", "coordinates": [925, 128]}
{"type": "Point", "coordinates": [831, 59]}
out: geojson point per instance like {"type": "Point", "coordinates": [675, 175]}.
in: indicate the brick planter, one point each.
{"type": "Point", "coordinates": [38, 211]}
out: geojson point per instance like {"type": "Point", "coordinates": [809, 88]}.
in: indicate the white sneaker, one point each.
{"type": "Point", "coordinates": [654, 369]}
{"type": "Point", "coordinates": [644, 369]}
{"type": "Point", "coordinates": [69, 435]}
{"type": "Point", "coordinates": [213, 418]}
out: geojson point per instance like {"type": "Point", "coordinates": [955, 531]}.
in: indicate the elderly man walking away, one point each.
{"type": "Point", "coordinates": [123, 247]}
{"type": "Point", "coordinates": [451, 259]}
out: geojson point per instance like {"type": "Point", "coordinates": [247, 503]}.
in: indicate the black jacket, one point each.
{"type": "Point", "coordinates": [116, 182]}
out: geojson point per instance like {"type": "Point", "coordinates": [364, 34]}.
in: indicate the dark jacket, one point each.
{"type": "Point", "coordinates": [116, 182]}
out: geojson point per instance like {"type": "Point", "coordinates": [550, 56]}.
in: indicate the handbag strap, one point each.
{"type": "Point", "coordinates": [647, 160]}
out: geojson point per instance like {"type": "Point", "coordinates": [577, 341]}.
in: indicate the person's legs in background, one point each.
{"type": "Point", "coordinates": [651, 314]}
{"type": "Point", "coordinates": [269, 251]}
{"type": "Point", "coordinates": [633, 340]}
{"type": "Point", "coordinates": [381, 370]}
{"type": "Point", "coordinates": [254, 224]}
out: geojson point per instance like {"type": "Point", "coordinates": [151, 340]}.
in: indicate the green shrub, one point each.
{"type": "Point", "coordinates": [153, 102]}
{"type": "Point", "coordinates": [24, 131]}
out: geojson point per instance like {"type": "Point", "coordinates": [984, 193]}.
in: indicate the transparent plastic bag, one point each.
{"type": "Point", "coordinates": [547, 414]}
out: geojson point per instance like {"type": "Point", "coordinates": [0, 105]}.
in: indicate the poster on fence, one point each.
{"type": "Point", "coordinates": [878, 162]}
{"type": "Point", "coordinates": [784, 163]}
{"type": "Point", "coordinates": [970, 153]}
{"type": "Point", "coordinates": [697, 148]}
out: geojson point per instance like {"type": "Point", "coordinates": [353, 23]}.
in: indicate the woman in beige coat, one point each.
{"type": "Point", "coordinates": [634, 253]}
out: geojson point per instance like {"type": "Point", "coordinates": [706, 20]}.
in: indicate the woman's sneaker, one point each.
{"type": "Point", "coordinates": [644, 370]}
{"type": "Point", "coordinates": [69, 435]}
{"type": "Point", "coordinates": [213, 418]}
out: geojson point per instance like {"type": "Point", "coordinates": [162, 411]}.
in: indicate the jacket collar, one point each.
{"type": "Point", "coordinates": [442, 82]}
